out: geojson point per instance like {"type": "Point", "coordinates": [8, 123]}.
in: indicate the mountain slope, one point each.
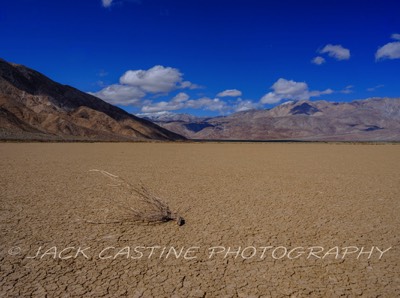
{"type": "Point", "coordinates": [34, 107]}
{"type": "Point", "coordinates": [375, 119]}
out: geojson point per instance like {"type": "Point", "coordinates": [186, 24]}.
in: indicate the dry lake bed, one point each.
{"type": "Point", "coordinates": [261, 220]}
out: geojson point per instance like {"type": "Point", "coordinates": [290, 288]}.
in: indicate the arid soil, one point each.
{"type": "Point", "coordinates": [316, 201]}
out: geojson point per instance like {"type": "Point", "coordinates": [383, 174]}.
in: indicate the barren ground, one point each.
{"type": "Point", "coordinates": [249, 195]}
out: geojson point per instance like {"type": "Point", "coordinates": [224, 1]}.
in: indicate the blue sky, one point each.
{"type": "Point", "coordinates": [209, 57]}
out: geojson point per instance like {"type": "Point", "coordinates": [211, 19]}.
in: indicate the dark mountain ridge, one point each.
{"type": "Point", "coordinates": [33, 106]}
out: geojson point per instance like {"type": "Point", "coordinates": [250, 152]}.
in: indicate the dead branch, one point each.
{"type": "Point", "coordinates": [148, 207]}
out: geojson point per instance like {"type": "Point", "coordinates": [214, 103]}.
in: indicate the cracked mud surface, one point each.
{"type": "Point", "coordinates": [239, 195]}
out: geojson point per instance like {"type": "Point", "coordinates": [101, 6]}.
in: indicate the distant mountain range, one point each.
{"type": "Point", "coordinates": [374, 119]}
{"type": "Point", "coordinates": [33, 107]}
{"type": "Point", "coordinates": [166, 116]}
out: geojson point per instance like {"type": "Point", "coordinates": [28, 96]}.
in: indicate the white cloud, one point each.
{"type": "Point", "coordinates": [120, 94]}
{"type": "Point", "coordinates": [189, 85]}
{"type": "Point", "coordinates": [318, 60]}
{"type": "Point", "coordinates": [156, 79]}
{"type": "Point", "coordinates": [286, 102]}
{"type": "Point", "coordinates": [161, 106]}
{"type": "Point", "coordinates": [156, 114]}
{"type": "Point", "coordinates": [336, 51]}
{"type": "Point", "coordinates": [244, 105]}
{"type": "Point", "coordinates": [316, 93]}
{"type": "Point", "coordinates": [348, 89]}
{"type": "Point", "coordinates": [270, 98]}
{"type": "Point", "coordinates": [106, 3]}
{"type": "Point", "coordinates": [296, 90]}
{"type": "Point", "coordinates": [136, 84]}
{"type": "Point", "coordinates": [180, 97]}
{"type": "Point", "coordinates": [181, 102]}
{"type": "Point", "coordinates": [395, 36]}
{"type": "Point", "coordinates": [290, 90]}
{"type": "Point", "coordinates": [390, 50]}
{"type": "Point", "coordinates": [230, 93]}
{"type": "Point", "coordinates": [208, 104]}
{"type": "Point", "coordinates": [375, 88]}
{"type": "Point", "coordinates": [176, 103]}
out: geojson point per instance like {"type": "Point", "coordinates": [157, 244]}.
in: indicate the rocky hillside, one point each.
{"type": "Point", "coordinates": [33, 106]}
{"type": "Point", "coordinates": [374, 119]}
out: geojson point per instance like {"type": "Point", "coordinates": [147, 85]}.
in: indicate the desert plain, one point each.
{"type": "Point", "coordinates": [261, 220]}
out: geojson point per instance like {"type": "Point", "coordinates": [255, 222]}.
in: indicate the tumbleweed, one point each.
{"type": "Point", "coordinates": [141, 205]}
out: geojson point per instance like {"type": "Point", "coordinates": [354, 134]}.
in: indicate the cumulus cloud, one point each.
{"type": "Point", "coordinates": [106, 3]}
{"type": "Point", "coordinates": [176, 103]}
{"type": "Point", "coordinates": [211, 104]}
{"type": "Point", "coordinates": [135, 87]}
{"type": "Point", "coordinates": [136, 84]}
{"type": "Point", "coordinates": [244, 105]}
{"type": "Point", "coordinates": [390, 50]}
{"type": "Point", "coordinates": [189, 85]}
{"type": "Point", "coordinates": [180, 97]}
{"type": "Point", "coordinates": [120, 94]}
{"type": "Point", "coordinates": [156, 79]}
{"type": "Point", "coordinates": [182, 102]}
{"type": "Point", "coordinates": [290, 90]}
{"type": "Point", "coordinates": [318, 60]}
{"type": "Point", "coordinates": [395, 36]}
{"type": "Point", "coordinates": [230, 93]}
{"type": "Point", "coordinates": [336, 51]}
{"type": "Point", "coordinates": [161, 106]}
